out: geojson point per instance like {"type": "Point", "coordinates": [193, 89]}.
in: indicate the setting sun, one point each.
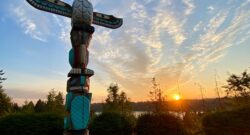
{"type": "Point", "coordinates": [177, 97]}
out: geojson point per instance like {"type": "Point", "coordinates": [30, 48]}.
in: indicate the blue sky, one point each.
{"type": "Point", "coordinates": [172, 40]}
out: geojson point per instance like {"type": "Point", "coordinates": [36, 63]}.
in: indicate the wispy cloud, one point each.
{"type": "Point", "coordinates": [138, 51]}
{"type": "Point", "coordinates": [29, 26]}
{"type": "Point", "coordinates": [198, 26]}
{"type": "Point", "coordinates": [64, 25]}
{"type": "Point", "coordinates": [35, 23]}
{"type": "Point", "coordinates": [134, 52]}
{"type": "Point", "coordinates": [167, 39]}
{"type": "Point", "coordinates": [190, 6]}
{"type": "Point", "coordinates": [210, 9]}
{"type": "Point", "coordinates": [41, 25]}
{"type": "Point", "coordinates": [216, 39]}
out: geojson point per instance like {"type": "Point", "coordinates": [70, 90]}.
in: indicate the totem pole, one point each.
{"type": "Point", "coordinates": [78, 97]}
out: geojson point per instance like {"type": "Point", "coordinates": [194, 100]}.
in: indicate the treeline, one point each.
{"type": "Point", "coordinates": [117, 118]}
{"type": "Point", "coordinates": [53, 104]}
{"type": "Point", "coordinates": [41, 118]}
{"type": "Point", "coordinates": [195, 105]}
{"type": "Point", "coordinates": [45, 117]}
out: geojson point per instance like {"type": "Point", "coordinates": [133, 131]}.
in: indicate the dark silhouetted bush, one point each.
{"type": "Point", "coordinates": [234, 122]}
{"type": "Point", "coordinates": [159, 124]}
{"type": "Point", "coordinates": [31, 124]}
{"type": "Point", "coordinates": [111, 124]}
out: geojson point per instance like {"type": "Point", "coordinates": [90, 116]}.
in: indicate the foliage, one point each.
{"type": "Point", "coordinates": [111, 124]}
{"type": "Point", "coordinates": [40, 106]}
{"type": "Point", "coordinates": [5, 103]}
{"type": "Point", "coordinates": [5, 100]}
{"type": "Point", "coordinates": [28, 107]}
{"type": "Point", "coordinates": [55, 102]}
{"type": "Point", "coordinates": [2, 78]}
{"type": "Point", "coordinates": [233, 122]}
{"type": "Point", "coordinates": [32, 124]}
{"type": "Point", "coordinates": [15, 108]}
{"type": "Point", "coordinates": [239, 86]}
{"type": "Point", "coordinates": [117, 102]}
{"type": "Point", "coordinates": [159, 101]}
{"type": "Point", "coordinates": [192, 123]}
{"type": "Point", "coordinates": [159, 124]}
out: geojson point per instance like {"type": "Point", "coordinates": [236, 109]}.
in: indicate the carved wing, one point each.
{"type": "Point", "coordinates": [108, 21]}
{"type": "Point", "coordinates": [52, 6]}
{"type": "Point", "coordinates": [64, 9]}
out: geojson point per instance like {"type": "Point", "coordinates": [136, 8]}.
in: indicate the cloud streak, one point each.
{"type": "Point", "coordinates": [29, 26]}
{"type": "Point", "coordinates": [142, 51]}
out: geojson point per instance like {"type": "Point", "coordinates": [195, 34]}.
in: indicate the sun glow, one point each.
{"type": "Point", "coordinates": [177, 97]}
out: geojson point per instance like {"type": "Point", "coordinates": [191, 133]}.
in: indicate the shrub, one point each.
{"type": "Point", "coordinates": [234, 122]}
{"type": "Point", "coordinates": [159, 124]}
{"type": "Point", "coordinates": [192, 123]}
{"type": "Point", "coordinates": [31, 124]}
{"type": "Point", "coordinates": [111, 124]}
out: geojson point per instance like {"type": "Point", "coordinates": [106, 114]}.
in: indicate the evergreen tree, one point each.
{"type": "Point", "coordinates": [55, 102]}
{"type": "Point", "coordinates": [28, 107]}
{"type": "Point", "coordinates": [1, 78]}
{"type": "Point", "coordinates": [59, 102]}
{"type": "Point", "coordinates": [5, 100]}
{"type": "Point", "coordinates": [15, 108]}
{"type": "Point", "coordinates": [5, 103]}
{"type": "Point", "coordinates": [40, 106]}
{"type": "Point", "coordinates": [117, 102]}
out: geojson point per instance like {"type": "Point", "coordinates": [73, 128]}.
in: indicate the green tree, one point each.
{"type": "Point", "coordinates": [5, 100]}
{"type": "Point", "coordinates": [239, 86]}
{"type": "Point", "coordinates": [5, 103]}
{"type": "Point", "coordinates": [117, 102]}
{"type": "Point", "coordinates": [157, 98]}
{"type": "Point", "coordinates": [55, 102]}
{"type": "Point", "coordinates": [40, 106]}
{"type": "Point", "coordinates": [15, 108]}
{"type": "Point", "coordinates": [2, 78]}
{"type": "Point", "coordinates": [28, 107]}
{"type": "Point", "coordinates": [59, 101]}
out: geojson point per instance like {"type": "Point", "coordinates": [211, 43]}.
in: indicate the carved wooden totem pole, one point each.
{"type": "Point", "coordinates": [78, 97]}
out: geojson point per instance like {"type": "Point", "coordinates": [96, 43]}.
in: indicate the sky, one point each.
{"type": "Point", "coordinates": [185, 42]}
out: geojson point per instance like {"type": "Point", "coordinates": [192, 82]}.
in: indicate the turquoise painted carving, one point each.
{"type": "Point", "coordinates": [71, 57]}
{"type": "Point", "coordinates": [80, 108]}
{"type": "Point", "coordinates": [69, 98]}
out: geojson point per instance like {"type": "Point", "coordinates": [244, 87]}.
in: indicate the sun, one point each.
{"type": "Point", "coordinates": [177, 97]}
